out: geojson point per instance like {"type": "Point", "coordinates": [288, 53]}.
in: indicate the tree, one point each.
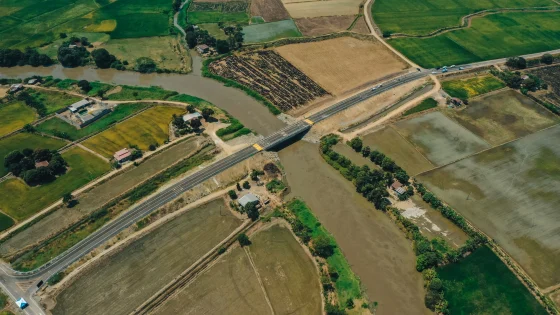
{"type": "Point", "coordinates": [334, 310]}
{"type": "Point", "coordinates": [176, 5]}
{"type": "Point", "coordinates": [356, 144]}
{"type": "Point", "coordinates": [323, 247]}
{"type": "Point", "coordinates": [207, 112]}
{"type": "Point", "coordinates": [516, 63]}
{"type": "Point", "coordinates": [27, 152]}
{"type": "Point", "coordinates": [190, 108]}
{"type": "Point", "coordinates": [145, 65]}
{"type": "Point", "coordinates": [84, 85]}
{"type": "Point", "coordinates": [349, 303]}
{"type": "Point", "coordinates": [431, 299]}
{"type": "Point", "coordinates": [246, 185]}
{"type": "Point", "coordinates": [13, 157]}
{"type": "Point", "coordinates": [42, 155]}
{"type": "Point", "coordinates": [136, 154]}
{"type": "Point", "coordinates": [232, 194]}
{"type": "Point", "coordinates": [366, 151]}
{"type": "Point", "coordinates": [547, 59]}
{"type": "Point", "coordinates": [222, 46]}
{"type": "Point", "coordinates": [67, 197]}
{"type": "Point", "coordinates": [243, 240]}
{"type": "Point", "coordinates": [72, 57]}
{"type": "Point", "coordinates": [402, 176]}
{"type": "Point", "coordinates": [195, 124]}
{"type": "Point", "coordinates": [37, 176]}
{"type": "Point", "coordinates": [103, 59]}
{"type": "Point", "coordinates": [57, 165]}
{"type": "Point", "coordinates": [152, 147]}
{"type": "Point", "coordinates": [239, 187]}
{"type": "Point", "coordinates": [191, 39]}
{"type": "Point", "coordinates": [386, 34]}
{"type": "Point", "coordinates": [252, 211]}
{"type": "Point", "coordinates": [62, 35]}
{"type": "Point", "coordinates": [436, 285]}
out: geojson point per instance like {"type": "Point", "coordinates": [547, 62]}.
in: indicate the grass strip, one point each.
{"type": "Point", "coordinates": [425, 105]}
{"type": "Point", "coordinates": [141, 93]}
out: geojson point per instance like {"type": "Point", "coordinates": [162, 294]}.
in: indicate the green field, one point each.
{"type": "Point", "coordinates": [418, 17]}
{"type": "Point", "coordinates": [471, 87]}
{"type": "Point", "coordinates": [52, 100]}
{"type": "Point", "coordinates": [141, 93]}
{"type": "Point", "coordinates": [482, 284]}
{"type": "Point", "coordinates": [426, 104]}
{"type": "Point", "coordinates": [55, 126]}
{"type": "Point", "coordinates": [233, 12]}
{"type": "Point", "coordinates": [213, 30]}
{"type": "Point", "coordinates": [21, 141]}
{"type": "Point", "coordinates": [21, 201]}
{"type": "Point", "coordinates": [490, 37]}
{"type": "Point", "coordinates": [266, 32]}
{"type": "Point", "coordinates": [15, 115]}
{"type": "Point", "coordinates": [5, 222]}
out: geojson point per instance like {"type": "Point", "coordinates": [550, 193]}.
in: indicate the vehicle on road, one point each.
{"type": "Point", "coordinates": [461, 68]}
{"type": "Point", "coordinates": [418, 69]}
{"type": "Point", "coordinates": [21, 303]}
{"type": "Point", "coordinates": [452, 66]}
{"type": "Point", "coordinates": [434, 72]}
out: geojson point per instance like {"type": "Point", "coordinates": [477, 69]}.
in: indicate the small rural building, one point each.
{"type": "Point", "coordinates": [456, 101]}
{"type": "Point", "coordinates": [32, 81]}
{"type": "Point", "coordinates": [190, 116]}
{"type": "Point", "coordinates": [248, 198]}
{"type": "Point", "coordinates": [78, 105]}
{"type": "Point", "coordinates": [202, 49]}
{"type": "Point", "coordinates": [122, 156]}
{"type": "Point", "coordinates": [16, 87]}
{"type": "Point", "coordinates": [398, 187]}
{"type": "Point", "coordinates": [41, 164]}
{"type": "Point", "coordinates": [525, 77]}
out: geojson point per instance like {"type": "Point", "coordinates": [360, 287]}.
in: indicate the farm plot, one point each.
{"type": "Point", "coordinates": [21, 201]}
{"type": "Point", "coordinates": [511, 193]}
{"type": "Point", "coordinates": [14, 116]}
{"type": "Point", "coordinates": [310, 9]}
{"type": "Point", "coordinates": [266, 32]}
{"type": "Point", "coordinates": [489, 37]}
{"type": "Point", "coordinates": [147, 264]}
{"type": "Point", "coordinates": [389, 142]}
{"type": "Point", "coordinates": [343, 64]}
{"type": "Point", "coordinates": [550, 75]}
{"type": "Point", "coordinates": [324, 24]}
{"type": "Point", "coordinates": [269, 10]}
{"type": "Point", "coordinates": [148, 127]}
{"type": "Point", "coordinates": [270, 75]}
{"type": "Point", "coordinates": [232, 12]}
{"type": "Point", "coordinates": [503, 117]}
{"type": "Point", "coordinates": [482, 284]}
{"type": "Point", "coordinates": [440, 139]}
{"type": "Point", "coordinates": [24, 140]}
{"type": "Point", "coordinates": [471, 87]}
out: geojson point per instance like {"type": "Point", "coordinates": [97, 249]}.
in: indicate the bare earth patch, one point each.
{"type": "Point", "coordinates": [361, 26]}
{"type": "Point", "coordinates": [343, 64]}
{"type": "Point", "coordinates": [300, 9]}
{"type": "Point", "coordinates": [269, 10]}
{"type": "Point", "coordinates": [324, 24]}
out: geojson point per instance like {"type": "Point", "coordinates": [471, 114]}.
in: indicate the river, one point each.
{"type": "Point", "coordinates": [243, 107]}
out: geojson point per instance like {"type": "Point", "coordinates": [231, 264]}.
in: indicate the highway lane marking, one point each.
{"type": "Point", "coordinates": [307, 120]}
{"type": "Point", "coordinates": [258, 147]}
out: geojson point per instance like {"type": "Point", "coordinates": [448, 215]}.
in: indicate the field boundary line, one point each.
{"type": "Point", "coordinates": [412, 144]}
{"type": "Point", "coordinates": [258, 276]}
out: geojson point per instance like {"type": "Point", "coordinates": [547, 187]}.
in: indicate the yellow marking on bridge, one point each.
{"type": "Point", "coordinates": [258, 147]}
{"type": "Point", "coordinates": [309, 121]}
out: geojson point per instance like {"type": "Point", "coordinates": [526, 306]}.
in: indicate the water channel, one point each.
{"type": "Point", "coordinates": [243, 107]}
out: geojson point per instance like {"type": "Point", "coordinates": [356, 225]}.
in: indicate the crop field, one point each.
{"type": "Point", "coordinates": [310, 9]}
{"type": "Point", "coordinates": [511, 192]}
{"type": "Point", "coordinates": [56, 126]}
{"type": "Point", "coordinates": [391, 143]}
{"type": "Point", "coordinates": [418, 17]}
{"type": "Point", "coordinates": [148, 127]}
{"type": "Point", "coordinates": [270, 75]}
{"type": "Point", "coordinates": [424, 105]}
{"type": "Point", "coordinates": [440, 139]}
{"type": "Point", "coordinates": [231, 12]}
{"type": "Point", "coordinates": [342, 64]}
{"type": "Point", "coordinates": [21, 201]}
{"type": "Point", "coordinates": [266, 32]}
{"type": "Point", "coordinates": [503, 117]}
{"type": "Point", "coordinates": [5, 222]}
{"type": "Point", "coordinates": [482, 284]}
{"type": "Point", "coordinates": [269, 10]}
{"type": "Point", "coordinates": [489, 37]}
{"type": "Point", "coordinates": [324, 24]}
{"type": "Point", "coordinates": [14, 116]}
{"type": "Point", "coordinates": [471, 87]}
{"type": "Point", "coordinates": [147, 264]}
{"type": "Point", "coordinates": [52, 100]}
{"type": "Point", "coordinates": [24, 140]}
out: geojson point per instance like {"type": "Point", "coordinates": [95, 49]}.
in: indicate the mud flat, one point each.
{"type": "Point", "coordinates": [375, 248]}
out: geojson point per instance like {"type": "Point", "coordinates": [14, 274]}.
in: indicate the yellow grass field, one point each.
{"type": "Point", "coordinates": [102, 26]}
{"type": "Point", "coordinates": [149, 127]}
{"type": "Point", "coordinates": [308, 9]}
{"type": "Point", "coordinates": [342, 64]}
{"type": "Point", "coordinates": [14, 116]}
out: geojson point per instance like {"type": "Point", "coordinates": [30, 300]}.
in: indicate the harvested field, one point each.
{"type": "Point", "coordinates": [503, 117]}
{"type": "Point", "coordinates": [270, 75]}
{"type": "Point", "coordinates": [389, 142]}
{"type": "Point", "coordinates": [511, 193]}
{"type": "Point", "coordinates": [269, 10]}
{"type": "Point", "coordinates": [440, 139]}
{"type": "Point", "coordinates": [267, 32]}
{"type": "Point", "coordinates": [482, 284]}
{"type": "Point", "coordinates": [343, 64]}
{"type": "Point", "coordinates": [471, 87]}
{"type": "Point", "coordinates": [361, 27]}
{"type": "Point", "coordinates": [309, 9]}
{"type": "Point", "coordinates": [324, 25]}
{"type": "Point", "coordinates": [14, 116]}
{"type": "Point", "coordinates": [375, 248]}
{"type": "Point", "coordinates": [149, 127]}
{"type": "Point", "coordinates": [147, 264]}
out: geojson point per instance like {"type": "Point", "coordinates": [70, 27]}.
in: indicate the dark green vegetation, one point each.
{"type": "Point", "coordinates": [141, 93]}
{"type": "Point", "coordinates": [275, 186]}
{"type": "Point", "coordinates": [5, 222]}
{"type": "Point", "coordinates": [489, 37]}
{"type": "Point", "coordinates": [425, 105]}
{"type": "Point", "coordinates": [23, 165]}
{"type": "Point", "coordinates": [482, 284]}
{"type": "Point", "coordinates": [467, 88]}
{"type": "Point", "coordinates": [14, 57]}
{"type": "Point", "coordinates": [234, 12]}
{"type": "Point", "coordinates": [234, 130]}
{"type": "Point", "coordinates": [58, 127]}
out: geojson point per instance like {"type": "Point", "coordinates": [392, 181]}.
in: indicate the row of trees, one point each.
{"type": "Point", "coordinates": [15, 57]}
{"type": "Point", "coordinates": [33, 102]}
{"type": "Point", "coordinates": [521, 63]}
{"type": "Point", "coordinates": [515, 80]}
{"type": "Point", "coordinates": [22, 164]}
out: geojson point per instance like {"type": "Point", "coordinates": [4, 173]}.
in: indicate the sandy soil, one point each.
{"type": "Point", "coordinates": [324, 24]}
{"type": "Point", "coordinates": [269, 10]}
{"type": "Point", "coordinates": [343, 64]}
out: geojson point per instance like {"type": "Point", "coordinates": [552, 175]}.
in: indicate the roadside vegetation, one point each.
{"type": "Point", "coordinates": [471, 87]}
{"type": "Point", "coordinates": [424, 105]}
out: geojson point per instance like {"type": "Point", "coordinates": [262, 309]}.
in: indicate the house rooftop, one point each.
{"type": "Point", "coordinates": [122, 154]}
{"type": "Point", "coordinates": [191, 116]}
{"type": "Point", "coordinates": [41, 164]}
{"type": "Point", "coordinates": [248, 198]}
{"type": "Point", "coordinates": [74, 107]}
{"type": "Point", "coordinates": [396, 184]}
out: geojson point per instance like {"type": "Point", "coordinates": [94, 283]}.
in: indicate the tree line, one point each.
{"type": "Point", "coordinates": [22, 164]}
{"type": "Point", "coordinates": [15, 57]}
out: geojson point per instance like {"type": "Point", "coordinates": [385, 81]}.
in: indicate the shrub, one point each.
{"type": "Point", "coordinates": [243, 240]}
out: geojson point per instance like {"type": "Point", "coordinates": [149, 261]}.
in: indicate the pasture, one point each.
{"type": "Point", "coordinates": [214, 30]}
{"type": "Point", "coordinates": [471, 87]}
{"type": "Point", "coordinates": [52, 100]}
{"type": "Point", "coordinates": [21, 201]}
{"type": "Point", "coordinates": [265, 32]}
{"type": "Point", "coordinates": [482, 284]}
{"type": "Point", "coordinates": [101, 289]}
{"type": "Point", "coordinates": [56, 126]}
{"type": "Point", "coordinates": [148, 127]}
{"type": "Point", "coordinates": [419, 17]}
{"type": "Point", "coordinates": [310, 9]}
{"type": "Point", "coordinates": [231, 12]}
{"type": "Point", "coordinates": [503, 117]}
{"type": "Point", "coordinates": [440, 139]}
{"type": "Point", "coordinates": [342, 64]}
{"type": "Point", "coordinates": [511, 193]}
{"type": "Point", "coordinates": [15, 115]}
{"type": "Point", "coordinates": [269, 10]}
{"type": "Point", "coordinates": [24, 140]}
{"type": "Point", "coordinates": [489, 37]}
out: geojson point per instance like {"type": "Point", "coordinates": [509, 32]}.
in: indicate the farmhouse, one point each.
{"type": "Point", "coordinates": [191, 116]}
{"type": "Point", "coordinates": [248, 198]}
{"type": "Point", "coordinates": [202, 49]}
{"type": "Point", "coordinates": [41, 164]}
{"type": "Point", "coordinates": [122, 156]}
{"type": "Point", "coordinates": [78, 105]}
{"type": "Point", "coordinates": [32, 81]}
{"type": "Point", "coordinates": [15, 87]}
{"type": "Point", "coordinates": [398, 187]}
